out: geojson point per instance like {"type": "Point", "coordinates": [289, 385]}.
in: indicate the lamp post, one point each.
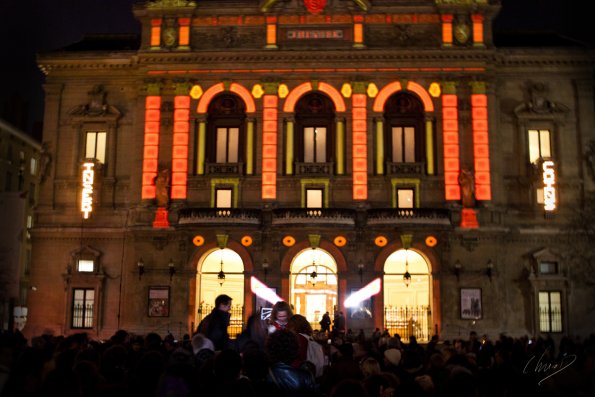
{"type": "Point", "coordinates": [457, 269]}
{"type": "Point", "coordinates": [360, 270]}
{"type": "Point", "coordinates": [265, 269]}
{"type": "Point", "coordinates": [172, 269]}
{"type": "Point", "coordinates": [141, 268]}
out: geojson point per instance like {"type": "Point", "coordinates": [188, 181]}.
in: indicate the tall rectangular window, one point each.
{"type": "Point", "coordinates": [223, 198]}
{"type": "Point", "coordinates": [403, 144]}
{"type": "Point", "coordinates": [95, 144]}
{"type": "Point", "coordinates": [315, 145]}
{"type": "Point", "coordinates": [550, 311]}
{"type": "Point", "coordinates": [405, 198]}
{"type": "Point", "coordinates": [539, 145]}
{"type": "Point", "coordinates": [83, 306]}
{"type": "Point", "coordinates": [314, 198]}
{"type": "Point", "coordinates": [228, 140]}
{"type": "Point", "coordinates": [33, 166]}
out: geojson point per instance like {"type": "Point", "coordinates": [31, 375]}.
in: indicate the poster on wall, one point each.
{"type": "Point", "coordinates": [158, 302]}
{"type": "Point", "coordinates": [471, 305]}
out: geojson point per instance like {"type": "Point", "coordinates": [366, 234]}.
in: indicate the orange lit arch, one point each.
{"type": "Point", "coordinates": [301, 89]}
{"type": "Point", "coordinates": [236, 88]}
{"type": "Point", "coordinates": [395, 86]}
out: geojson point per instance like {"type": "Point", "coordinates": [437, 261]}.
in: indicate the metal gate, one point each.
{"type": "Point", "coordinates": [409, 320]}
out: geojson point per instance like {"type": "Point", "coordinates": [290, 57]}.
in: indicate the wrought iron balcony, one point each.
{"type": "Point", "coordinates": [420, 216]}
{"type": "Point", "coordinates": [314, 169]}
{"type": "Point", "coordinates": [236, 216]}
{"type": "Point", "coordinates": [405, 168]}
{"type": "Point", "coordinates": [317, 216]}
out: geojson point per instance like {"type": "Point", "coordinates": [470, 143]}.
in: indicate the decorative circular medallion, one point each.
{"type": "Point", "coordinates": [198, 240]}
{"type": "Point", "coordinates": [246, 241]}
{"type": "Point", "coordinates": [340, 241]}
{"type": "Point", "coordinates": [461, 32]}
{"type": "Point", "coordinates": [170, 35]}
{"type": "Point", "coordinates": [380, 241]}
{"type": "Point", "coordinates": [288, 241]}
{"type": "Point", "coordinates": [431, 241]}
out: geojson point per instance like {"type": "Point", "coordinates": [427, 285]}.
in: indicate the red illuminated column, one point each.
{"type": "Point", "coordinates": [477, 20]}
{"type": "Point", "coordinates": [179, 156]}
{"type": "Point", "coordinates": [481, 148]}
{"type": "Point", "coordinates": [155, 33]}
{"type": "Point", "coordinates": [359, 147]}
{"type": "Point", "coordinates": [151, 145]}
{"type": "Point", "coordinates": [447, 30]}
{"type": "Point", "coordinates": [269, 147]}
{"type": "Point", "coordinates": [450, 135]}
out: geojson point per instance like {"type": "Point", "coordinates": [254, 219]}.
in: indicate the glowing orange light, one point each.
{"type": "Point", "coordinates": [340, 241]}
{"type": "Point", "coordinates": [451, 147]}
{"type": "Point", "coordinates": [245, 95]}
{"type": "Point", "coordinates": [269, 147]}
{"type": "Point", "coordinates": [481, 149]}
{"type": "Point", "coordinates": [207, 96]}
{"type": "Point", "coordinates": [447, 29]}
{"type": "Point", "coordinates": [359, 147]}
{"type": "Point", "coordinates": [198, 240]}
{"type": "Point", "coordinates": [334, 95]}
{"type": "Point", "coordinates": [380, 241]}
{"type": "Point", "coordinates": [294, 95]}
{"type": "Point", "coordinates": [288, 241]}
{"type": "Point", "coordinates": [384, 94]}
{"type": "Point", "coordinates": [423, 94]}
{"type": "Point", "coordinates": [184, 39]}
{"type": "Point", "coordinates": [246, 241]}
{"type": "Point", "coordinates": [477, 29]}
{"type": "Point", "coordinates": [155, 32]}
{"type": "Point", "coordinates": [151, 145]}
{"type": "Point", "coordinates": [431, 241]}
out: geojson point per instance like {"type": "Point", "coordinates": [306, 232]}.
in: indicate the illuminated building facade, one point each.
{"type": "Point", "coordinates": [319, 147]}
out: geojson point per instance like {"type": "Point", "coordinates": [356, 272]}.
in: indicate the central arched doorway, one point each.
{"type": "Point", "coordinates": [313, 284]}
{"type": "Point", "coordinates": [407, 297]}
{"type": "Point", "coordinates": [221, 271]}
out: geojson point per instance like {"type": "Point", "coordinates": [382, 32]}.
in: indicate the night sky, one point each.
{"type": "Point", "coordinates": [28, 27]}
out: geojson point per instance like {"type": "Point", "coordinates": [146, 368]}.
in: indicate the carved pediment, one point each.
{"type": "Point", "coordinates": [96, 106]}
{"type": "Point", "coordinates": [538, 103]}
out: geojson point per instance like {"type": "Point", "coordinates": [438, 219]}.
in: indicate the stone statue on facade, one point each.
{"type": "Point", "coordinates": [162, 188]}
{"type": "Point", "coordinates": [466, 182]}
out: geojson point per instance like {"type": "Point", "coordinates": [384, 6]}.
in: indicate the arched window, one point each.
{"type": "Point", "coordinates": [404, 138]}
{"type": "Point", "coordinates": [226, 135]}
{"type": "Point", "coordinates": [315, 121]}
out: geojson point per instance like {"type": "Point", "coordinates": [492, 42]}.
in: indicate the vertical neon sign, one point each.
{"type": "Point", "coordinates": [88, 176]}
{"type": "Point", "coordinates": [549, 185]}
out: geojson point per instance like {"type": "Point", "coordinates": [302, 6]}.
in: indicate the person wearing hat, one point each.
{"type": "Point", "coordinates": [392, 357]}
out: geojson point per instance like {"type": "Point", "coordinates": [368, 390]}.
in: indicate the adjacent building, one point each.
{"type": "Point", "coordinates": [326, 149]}
{"type": "Point", "coordinates": [20, 157]}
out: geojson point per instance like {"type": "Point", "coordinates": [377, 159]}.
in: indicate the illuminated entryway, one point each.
{"type": "Point", "coordinates": [221, 271]}
{"type": "Point", "coordinates": [313, 284]}
{"type": "Point", "coordinates": [407, 294]}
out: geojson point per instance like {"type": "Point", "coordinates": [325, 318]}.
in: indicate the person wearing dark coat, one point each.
{"type": "Point", "coordinates": [214, 325]}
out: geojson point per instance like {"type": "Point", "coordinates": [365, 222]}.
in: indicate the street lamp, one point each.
{"type": "Point", "coordinates": [141, 268]}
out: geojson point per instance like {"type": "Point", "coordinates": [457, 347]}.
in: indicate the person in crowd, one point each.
{"type": "Point", "coordinates": [339, 324]}
{"type": "Point", "coordinates": [203, 350]}
{"type": "Point", "coordinates": [325, 323]}
{"type": "Point", "coordinates": [214, 325]}
{"type": "Point", "coordinates": [279, 316]}
{"type": "Point", "coordinates": [282, 349]}
{"type": "Point", "coordinates": [254, 333]}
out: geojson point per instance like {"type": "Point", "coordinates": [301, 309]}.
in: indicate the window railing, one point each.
{"type": "Point", "coordinates": [314, 215]}
{"type": "Point", "coordinates": [225, 168]}
{"type": "Point", "coordinates": [408, 215]}
{"type": "Point", "coordinates": [405, 168]}
{"type": "Point", "coordinates": [314, 168]}
{"type": "Point", "coordinates": [219, 215]}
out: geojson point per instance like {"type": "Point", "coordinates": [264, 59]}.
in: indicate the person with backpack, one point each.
{"type": "Point", "coordinates": [310, 351]}
{"type": "Point", "coordinates": [214, 325]}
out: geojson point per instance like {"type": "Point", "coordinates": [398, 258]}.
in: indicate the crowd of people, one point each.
{"type": "Point", "coordinates": [272, 357]}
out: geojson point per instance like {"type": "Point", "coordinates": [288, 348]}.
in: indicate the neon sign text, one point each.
{"type": "Point", "coordinates": [87, 192]}
{"type": "Point", "coordinates": [549, 185]}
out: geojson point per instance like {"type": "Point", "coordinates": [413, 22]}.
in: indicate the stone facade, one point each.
{"type": "Point", "coordinates": [366, 71]}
